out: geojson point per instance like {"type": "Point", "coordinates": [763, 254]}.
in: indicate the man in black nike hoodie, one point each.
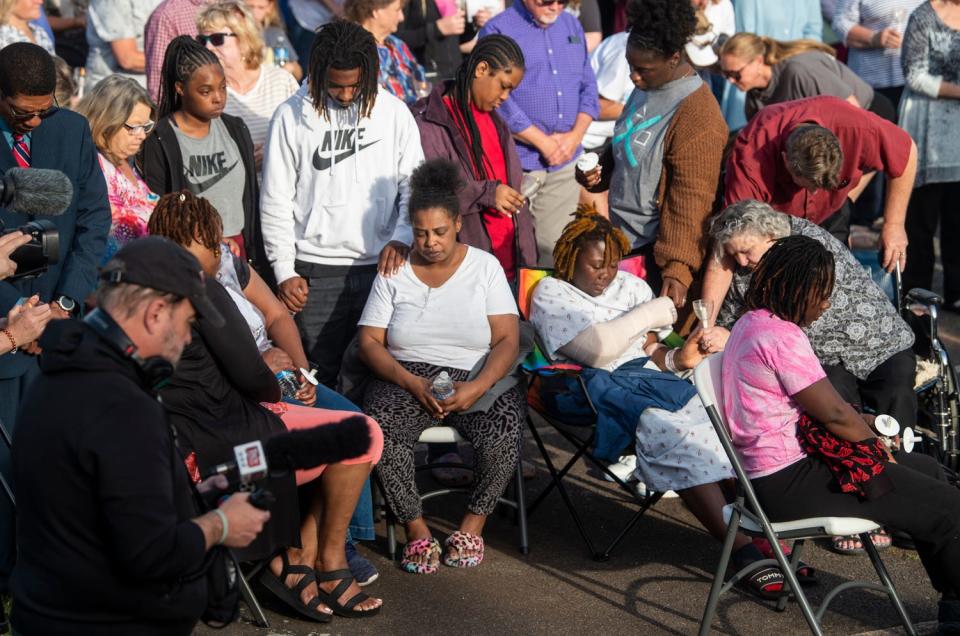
{"type": "Point", "coordinates": [110, 540]}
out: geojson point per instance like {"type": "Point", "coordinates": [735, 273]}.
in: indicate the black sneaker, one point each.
{"type": "Point", "coordinates": [361, 569]}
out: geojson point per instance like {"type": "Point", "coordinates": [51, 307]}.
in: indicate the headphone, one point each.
{"type": "Point", "coordinates": [155, 370]}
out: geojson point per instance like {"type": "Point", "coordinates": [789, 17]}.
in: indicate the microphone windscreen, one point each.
{"type": "Point", "coordinates": [39, 191]}
{"type": "Point", "coordinates": [311, 447]}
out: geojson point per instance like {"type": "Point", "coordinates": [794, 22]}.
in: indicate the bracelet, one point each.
{"type": "Point", "coordinates": [13, 341]}
{"type": "Point", "coordinates": [224, 523]}
{"type": "Point", "coordinates": [669, 362]}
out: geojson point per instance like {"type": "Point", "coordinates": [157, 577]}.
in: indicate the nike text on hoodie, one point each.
{"type": "Point", "coordinates": [335, 192]}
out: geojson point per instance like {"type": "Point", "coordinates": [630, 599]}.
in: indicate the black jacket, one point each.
{"type": "Point", "coordinates": [436, 51]}
{"type": "Point", "coordinates": [214, 401]}
{"type": "Point", "coordinates": [161, 164]}
{"type": "Point", "coordinates": [106, 545]}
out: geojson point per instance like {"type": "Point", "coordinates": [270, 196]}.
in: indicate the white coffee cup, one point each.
{"type": "Point", "coordinates": [588, 161]}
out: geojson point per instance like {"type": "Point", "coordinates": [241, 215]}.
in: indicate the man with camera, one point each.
{"type": "Point", "coordinates": [36, 133]}
{"type": "Point", "coordinates": [109, 537]}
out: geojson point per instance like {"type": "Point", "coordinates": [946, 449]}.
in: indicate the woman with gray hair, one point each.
{"type": "Point", "coordinates": [121, 116]}
{"type": "Point", "coordinates": [861, 341]}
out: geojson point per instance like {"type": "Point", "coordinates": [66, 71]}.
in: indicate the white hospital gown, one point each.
{"type": "Point", "coordinates": [676, 450]}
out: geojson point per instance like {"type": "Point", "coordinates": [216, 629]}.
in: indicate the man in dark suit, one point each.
{"type": "Point", "coordinates": [36, 133]}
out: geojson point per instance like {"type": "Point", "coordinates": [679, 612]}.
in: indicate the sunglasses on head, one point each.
{"type": "Point", "coordinates": [548, 3]}
{"type": "Point", "coordinates": [21, 116]}
{"type": "Point", "coordinates": [216, 39]}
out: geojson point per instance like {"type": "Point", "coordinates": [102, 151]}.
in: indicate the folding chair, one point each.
{"type": "Point", "coordinates": [546, 374]}
{"type": "Point", "coordinates": [746, 515]}
{"type": "Point", "coordinates": [449, 435]}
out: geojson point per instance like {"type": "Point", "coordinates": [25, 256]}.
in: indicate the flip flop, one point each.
{"type": "Point", "coordinates": [291, 596]}
{"type": "Point", "coordinates": [880, 539]}
{"type": "Point", "coordinates": [839, 549]}
{"type": "Point", "coordinates": [332, 599]}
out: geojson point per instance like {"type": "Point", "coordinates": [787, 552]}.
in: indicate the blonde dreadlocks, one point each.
{"type": "Point", "coordinates": [587, 226]}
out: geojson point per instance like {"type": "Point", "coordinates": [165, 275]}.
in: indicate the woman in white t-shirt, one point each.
{"type": "Point", "coordinates": [448, 309]}
{"type": "Point", "coordinates": [254, 89]}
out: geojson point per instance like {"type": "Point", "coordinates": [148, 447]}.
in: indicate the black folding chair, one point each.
{"type": "Point", "coordinates": [746, 515]}
{"type": "Point", "coordinates": [545, 377]}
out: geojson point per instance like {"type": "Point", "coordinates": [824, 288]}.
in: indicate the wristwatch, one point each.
{"type": "Point", "coordinates": [67, 304]}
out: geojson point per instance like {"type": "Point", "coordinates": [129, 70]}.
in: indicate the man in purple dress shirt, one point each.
{"type": "Point", "coordinates": [549, 111]}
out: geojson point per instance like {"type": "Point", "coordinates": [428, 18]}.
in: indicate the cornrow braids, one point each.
{"type": "Point", "coordinates": [344, 46]}
{"type": "Point", "coordinates": [587, 226]}
{"type": "Point", "coordinates": [795, 273]}
{"type": "Point", "coordinates": [183, 57]}
{"type": "Point", "coordinates": [499, 52]}
{"type": "Point", "coordinates": [184, 218]}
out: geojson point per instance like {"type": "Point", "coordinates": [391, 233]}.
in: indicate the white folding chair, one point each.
{"type": "Point", "coordinates": [746, 515]}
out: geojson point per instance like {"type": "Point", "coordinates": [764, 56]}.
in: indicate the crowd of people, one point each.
{"type": "Point", "coordinates": [294, 214]}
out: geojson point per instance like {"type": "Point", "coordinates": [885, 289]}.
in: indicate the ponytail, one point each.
{"type": "Point", "coordinates": [746, 46]}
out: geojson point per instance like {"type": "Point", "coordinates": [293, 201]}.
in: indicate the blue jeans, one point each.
{"type": "Point", "coordinates": [361, 523]}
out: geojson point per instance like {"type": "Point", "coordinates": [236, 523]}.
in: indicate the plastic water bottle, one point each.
{"type": "Point", "coordinates": [288, 383]}
{"type": "Point", "coordinates": [442, 387]}
{"type": "Point", "coordinates": [281, 54]}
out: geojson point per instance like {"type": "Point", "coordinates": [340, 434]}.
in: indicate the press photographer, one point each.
{"type": "Point", "coordinates": [110, 540]}
{"type": "Point", "coordinates": [26, 321]}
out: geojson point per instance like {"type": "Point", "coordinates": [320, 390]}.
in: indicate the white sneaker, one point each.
{"type": "Point", "coordinates": [623, 468]}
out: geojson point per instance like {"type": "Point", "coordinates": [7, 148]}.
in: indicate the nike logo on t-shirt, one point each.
{"type": "Point", "coordinates": [202, 165]}
{"type": "Point", "coordinates": [322, 163]}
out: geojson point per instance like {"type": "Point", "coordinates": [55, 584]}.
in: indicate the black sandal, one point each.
{"type": "Point", "coordinates": [291, 596]}
{"type": "Point", "coordinates": [332, 599]}
{"type": "Point", "coordinates": [766, 582]}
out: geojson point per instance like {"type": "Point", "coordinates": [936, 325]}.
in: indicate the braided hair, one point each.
{"type": "Point", "coordinates": [587, 226]}
{"type": "Point", "coordinates": [183, 57]}
{"type": "Point", "coordinates": [794, 274]}
{"type": "Point", "coordinates": [434, 184]}
{"type": "Point", "coordinates": [184, 218]}
{"type": "Point", "coordinates": [663, 26]}
{"type": "Point", "coordinates": [344, 46]}
{"type": "Point", "coordinates": [499, 52]}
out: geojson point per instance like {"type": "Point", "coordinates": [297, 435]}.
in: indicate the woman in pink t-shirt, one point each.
{"type": "Point", "coordinates": [777, 399]}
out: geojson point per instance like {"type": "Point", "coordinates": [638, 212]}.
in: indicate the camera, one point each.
{"type": "Point", "coordinates": [43, 250]}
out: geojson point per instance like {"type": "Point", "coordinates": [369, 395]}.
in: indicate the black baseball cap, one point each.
{"type": "Point", "coordinates": [161, 264]}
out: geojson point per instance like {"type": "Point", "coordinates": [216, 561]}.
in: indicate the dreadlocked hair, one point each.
{"type": "Point", "coordinates": [183, 57]}
{"type": "Point", "coordinates": [587, 226]}
{"type": "Point", "coordinates": [184, 218]}
{"type": "Point", "coordinates": [663, 26]}
{"type": "Point", "coordinates": [344, 46]}
{"type": "Point", "coordinates": [796, 272]}
{"type": "Point", "coordinates": [434, 184]}
{"type": "Point", "coordinates": [499, 52]}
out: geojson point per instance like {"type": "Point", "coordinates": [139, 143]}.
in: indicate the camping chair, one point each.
{"type": "Point", "coordinates": [449, 435]}
{"type": "Point", "coordinates": [545, 375]}
{"type": "Point", "coordinates": [746, 515]}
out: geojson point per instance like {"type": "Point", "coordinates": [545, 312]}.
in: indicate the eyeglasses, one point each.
{"type": "Point", "coordinates": [735, 75]}
{"type": "Point", "coordinates": [145, 128]}
{"type": "Point", "coordinates": [22, 116]}
{"type": "Point", "coordinates": [216, 39]}
{"type": "Point", "coordinates": [548, 3]}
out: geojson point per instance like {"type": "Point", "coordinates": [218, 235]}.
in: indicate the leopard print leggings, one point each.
{"type": "Point", "coordinates": [495, 436]}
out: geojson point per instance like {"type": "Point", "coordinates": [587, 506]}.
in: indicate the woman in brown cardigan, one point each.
{"type": "Point", "coordinates": [663, 166]}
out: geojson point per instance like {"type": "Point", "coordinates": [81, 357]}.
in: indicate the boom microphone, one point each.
{"type": "Point", "coordinates": [35, 191]}
{"type": "Point", "coordinates": [303, 449]}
